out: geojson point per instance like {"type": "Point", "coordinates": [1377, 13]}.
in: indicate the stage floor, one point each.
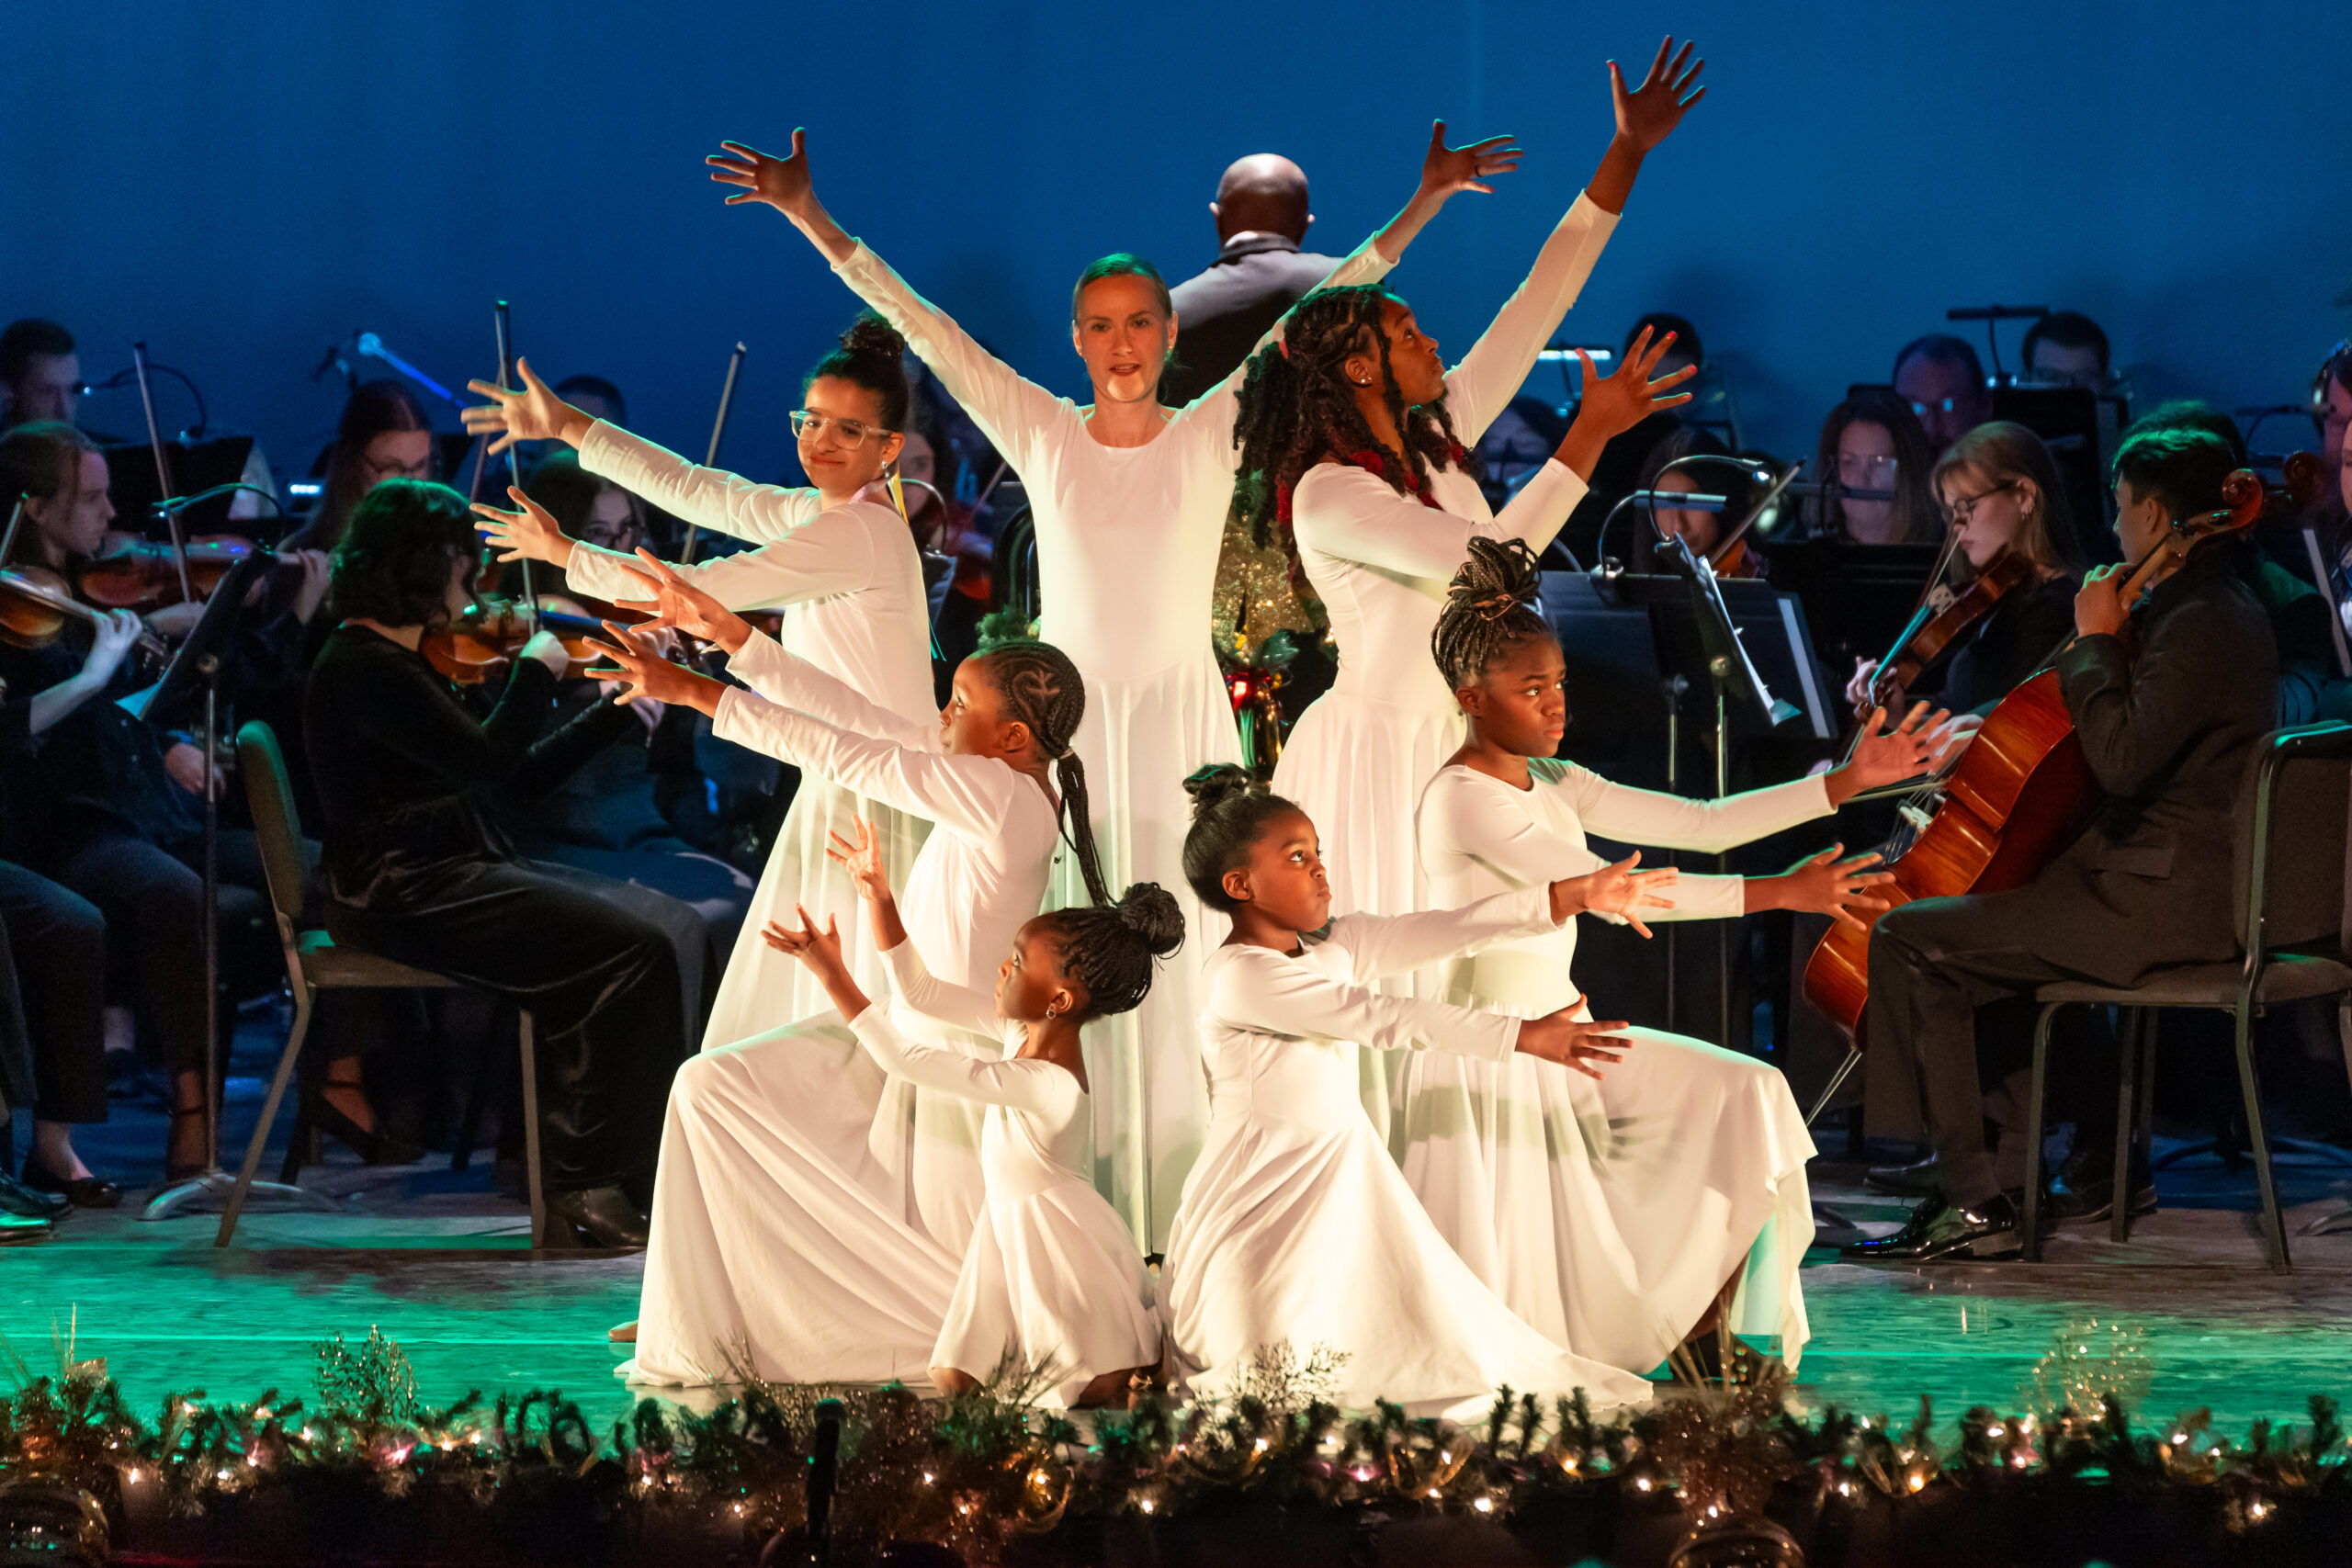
{"type": "Point", "coordinates": [441, 1262]}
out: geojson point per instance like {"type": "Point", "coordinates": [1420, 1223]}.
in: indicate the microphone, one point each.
{"type": "Point", "coordinates": [1997, 312]}
{"type": "Point", "coordinates": [1679, 500]}
{"type": "Point", "coordinates": [331, 360]}
{"type": "Point", "coordinates": [371, 347]}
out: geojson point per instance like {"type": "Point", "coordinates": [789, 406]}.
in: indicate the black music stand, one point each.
{"type": "Point", "coordinates": [193, 678]}
{"type": "Point", "coordinates": [2066, 418]}
{"type": "Point", "coordinates": [196, 466]}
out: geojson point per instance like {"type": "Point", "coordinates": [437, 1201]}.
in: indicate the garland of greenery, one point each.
{"type": "Point", "coordinates": [988, 1472]}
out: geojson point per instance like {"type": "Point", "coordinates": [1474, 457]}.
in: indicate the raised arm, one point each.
{"type": "Point", "coordinates": [1021, 1083]}
{"type": "Point", "coordinates": [708, 498]}
{"type": "Point", "coordinates": [1492, 372]}
{"type": "Point", "coordinates": [1010, 412]}
{"type": "Point", "coordinates": [1256, 988]}
{"type": "Point", "coordinates": [1391, 944]}
{"type": "Point", "coordinates": [934, 997]}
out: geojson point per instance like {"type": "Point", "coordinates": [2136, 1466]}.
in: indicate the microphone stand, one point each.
{"type": "Point", "coordinates": [513, 457]}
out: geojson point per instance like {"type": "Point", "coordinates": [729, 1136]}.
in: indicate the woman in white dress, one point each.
{"type": "Point", "coordinates": [1611, 1213]}
{"type": "Point", "coordinates": [1129, 501]}
{"type": "Point", "coordinates": [1052, 1282]}
{"type": "Point", "coordinates": [844, 571]}
{"type": "Point", "coordinates": [764, 1246]}
{"type": "Point", "coordinates": [1353, 441]}
{"type": "Point", "coordinates": [1297, 1227]}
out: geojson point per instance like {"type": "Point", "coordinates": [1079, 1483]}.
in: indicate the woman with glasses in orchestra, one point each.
{"type": "Point", "coordinates": [2000, 491]}
{"type": "Point", "coordinates": [1874, 444]}
{"type": "Point", "coordinates": [383, 436]}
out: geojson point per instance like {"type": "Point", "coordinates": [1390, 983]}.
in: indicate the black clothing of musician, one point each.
{"type": "Point", "coordinates": [2013, 641]}
{"type": "Point", "coordinates": [2167, 734]}
{"type": "Point", "coordinates": [415, 871]}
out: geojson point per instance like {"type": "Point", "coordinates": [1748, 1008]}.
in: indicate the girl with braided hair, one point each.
{"type": "Point", "coordinates": [1051, 1278]}
{"type": "Point", "coordinates": [841, 568]}
{"type": "Point", "coordinates": [1129, 499]}
{"type": "Point", "coordinates": [1353, 435]}
{"type": "Point", "coordinates": [1296, 1225]}
{"type": "Point", "coordinates": [1620, 1214]}
{"type": "Point", "coordinates": [835, 1267]}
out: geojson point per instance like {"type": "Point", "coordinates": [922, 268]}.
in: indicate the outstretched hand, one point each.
{"type": "Point", "coordinates": [1446, 170]}
{"type": "Point", "coordinates": [1614, 404]}
{"type": "Point", "coordinates": [531, 534]}
{"type": "Point", "coordinates": [782, 183]}
{"type": "Point", "coordinates": [820, 950]}
{"type": "Point", "coordinates": [1824, 884]}
{"type": "Point", "coordinates": [531, 413]}
{"type": "Point", "coordinates": [672, 600]}
{"type": "Point", "coordinates": [1916, 745]}
{"type": "Point", "coordinates": [633, 658]}
{"type": "Point", "coordinates": [1575, 1043]}
{"type": "Point", "coordinates": [1648, 115]}
{"type": "Point", "coordinates": [862, 860]}
{"type": "Point", "coordinates": [1618, 890]}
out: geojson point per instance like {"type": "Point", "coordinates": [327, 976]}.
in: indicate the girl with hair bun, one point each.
{"type": "Point", "coordinates": [833, 1266]}
{"type": "Point", "coordinates": [1297, 1227]}
{"type": "Point", "coordinates": [842, 567]}
{"type": "Point", "coordinates": [1354, 437]}
{"type": "Point", "coordinates": [1129, 498]}
{"type": "Point", "coordinates": [1624, 1213]}
{"type": "Point", "coordinates": [1051, 1277]}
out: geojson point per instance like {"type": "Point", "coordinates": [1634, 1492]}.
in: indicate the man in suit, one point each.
{"type": "Point", "coordinates": [1259, 272]}
{"type": "Point", "coordinates": [2168, 715]}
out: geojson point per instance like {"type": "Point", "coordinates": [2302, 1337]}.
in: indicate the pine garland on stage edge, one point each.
{"type": "Point", "coordinates": [371, 1474]}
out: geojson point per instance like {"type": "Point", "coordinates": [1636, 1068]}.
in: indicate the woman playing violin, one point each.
{"type": "Point", "coordinates": [2000, 495]}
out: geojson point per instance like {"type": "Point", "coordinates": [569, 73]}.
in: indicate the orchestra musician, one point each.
{"type": "Point", "coordinates": [2168, 701]}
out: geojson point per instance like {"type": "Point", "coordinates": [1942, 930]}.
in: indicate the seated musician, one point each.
{"type": "Point", "coordinates": [2168, 701]}
{"type": "Point", "coordinates": [1701, 531]}
{"type": "Point", "coordinates": [2001, 492]}
{"type": "Point", "coordinates": [415, 871]}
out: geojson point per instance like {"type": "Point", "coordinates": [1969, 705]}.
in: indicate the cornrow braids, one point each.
{"type": "Point", "coordinates": [1111, 950]}
{"type": "Point", "coordinates": [1297, 408]}
{"type": "Point", "coordinates": [1491, 606]}
{"type": "Point", "coordinates": [1229, 809]}
{"type": "Point", "coordinates": [1044, 690]}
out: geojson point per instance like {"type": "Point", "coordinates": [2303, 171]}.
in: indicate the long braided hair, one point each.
{"type": "Point", "coordinates": [1110, 949]}
{"type": "Point", "coordinates": [1297, 408]}
{"type": "Point", "coordinates": [1490, 607]}
{"type": "Point", "coordinates": [1044, 690]}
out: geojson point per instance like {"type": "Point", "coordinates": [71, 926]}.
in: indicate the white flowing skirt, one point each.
{"type": "Point", "coordinates": [1609, 1213]}
{"type": "Point", "coordinates": [1141, 738]}
{"type": "Point", "coordinates": [1308, 1238]}
{"type": "Point", "coordinates": [767, 1255]}
{"type": "Point", "coordinates": [1051, 1280]}
{"type": "Point", "coordinates": [1357, 766]}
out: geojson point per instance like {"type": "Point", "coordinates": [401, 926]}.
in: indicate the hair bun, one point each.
{"type": "Point", "coordinates": [1212, 787]}
{"type": "Point", "coordinates": [871, 334]}
{"type": "Point", "coordinates": [1152, 913]}
{"type": "Point", "coordinates": [1497, 575]}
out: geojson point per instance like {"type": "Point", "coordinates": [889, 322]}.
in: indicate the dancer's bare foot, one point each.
{"type": "Point", "coordinates": [625, 1335]}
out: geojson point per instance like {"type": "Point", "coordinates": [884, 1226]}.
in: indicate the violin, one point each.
{"type": "Point", "coordinates": [35, 605]}
{"type": "Point", "coordinates": [2022, 792]}
{"type": "Point", "coordinates": [148, 574]}
{"type": "Point", "coordinates": [481, 644]}
{"type": "Point", "coordinates": [1934, 629]}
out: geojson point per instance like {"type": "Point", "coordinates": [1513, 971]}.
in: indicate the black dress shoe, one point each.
{"type": "Point", "coordinates": [17, 1229]}
{"type": "Point", "coordinates": [1917, 1180]}
{"type": "Point", "coordinates": [373, 1148]}
{"type": "Point", "coordinates": [28, 1203]}
{"type": "Point", "coordinates": [2084, 1188]}
{"type": "Point", "coordinates": [598, 1216]}
{"type": "Point", "coordinates": [76, 1191]}
{"type": "Point", "coordinates": [1989, 1231]}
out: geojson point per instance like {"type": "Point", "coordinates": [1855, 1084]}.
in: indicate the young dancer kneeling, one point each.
{"type": "Point", "coordinates": [1295, 1226]}
{"type": "Point", "coordinates": [1613, 1214]}
{"type": "Point", "coordinates": [1052, 1279]}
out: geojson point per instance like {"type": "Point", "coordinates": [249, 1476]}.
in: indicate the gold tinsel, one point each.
{"type": "Point", "coordinates": [1255, 598]}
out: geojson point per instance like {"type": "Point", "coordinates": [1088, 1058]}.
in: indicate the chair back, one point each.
{"type": "Point", "coordinates": [2295, 854]}
{"type": "Point", "coordinates": [275, 827]}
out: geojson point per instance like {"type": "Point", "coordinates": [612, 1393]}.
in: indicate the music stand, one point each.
{"type": "Point", "coordinates": [195, 672]}
{"type": "Point", "coordinates": [131, 481]}
{"type": "Point", "coordinates": [2066, 418]}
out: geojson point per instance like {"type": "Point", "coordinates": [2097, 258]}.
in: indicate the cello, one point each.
{"type": "Point", "coordinates": [2021, 792]}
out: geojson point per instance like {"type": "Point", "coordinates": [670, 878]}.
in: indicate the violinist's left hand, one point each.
{"type": "Point", "coordinates": [318, 572]}
{"type": "Point", "coordinates": [632, 659]}
{"type": "Point", "coordinates": [2098, 604]}
{"type": "Point", "coordinates": [186, 764]}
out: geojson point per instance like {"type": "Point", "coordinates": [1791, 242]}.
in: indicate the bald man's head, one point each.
{"type": "Point", "coordinates": [1264, 193]}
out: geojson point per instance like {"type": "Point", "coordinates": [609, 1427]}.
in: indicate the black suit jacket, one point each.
{"type": "Point", "coordinates": [1221, 314]}
{"type": "Point", "coordinates": [2167, 731]}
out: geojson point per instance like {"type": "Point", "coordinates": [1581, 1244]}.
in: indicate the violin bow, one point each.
{"type": "Point", "coordinates": [514, 456]}
{"type": "Point", "coordinates": [717, 433]}
{"type": "Point", "coordinates": [163, 468]}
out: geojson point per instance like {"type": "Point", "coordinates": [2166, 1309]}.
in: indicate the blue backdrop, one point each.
{"type": "Point", "coordinates": [243, 183]}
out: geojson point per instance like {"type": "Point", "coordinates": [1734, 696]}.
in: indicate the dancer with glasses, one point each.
{"type": "Point", "coordinates": [1129, 499]}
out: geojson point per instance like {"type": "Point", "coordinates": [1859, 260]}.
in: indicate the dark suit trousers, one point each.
{"type": "Point", "coordinates": [53, 990]}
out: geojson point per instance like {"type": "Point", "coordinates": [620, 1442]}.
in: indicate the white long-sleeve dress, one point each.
{"type": "Point", "coordinates": [1608, 1213]}
{"type": "Point", "coordinates": [820, 1264]}
{"type": "Point", "coordinates": [1296, 1225]}
{"type": "Point", "coordinates": [1127, 542]}
{"type": "Point", "coordinates": [1051, 1278]}
{"type": "Point", "coordinates": [1359, 755]}
{"type": "Point", "coordinates": [849, 585]}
